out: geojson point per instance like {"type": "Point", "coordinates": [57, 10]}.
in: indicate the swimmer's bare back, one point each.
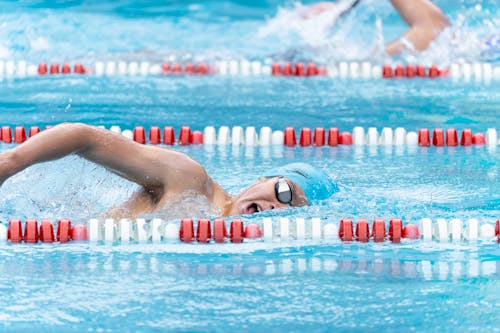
{"type": "Point", "coordinates": [162, 173]}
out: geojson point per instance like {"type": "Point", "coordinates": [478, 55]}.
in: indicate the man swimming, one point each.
{"type": "Point", "coordinates": [166, 175]}
{"type": "Point", "coordinates": [425, 19]}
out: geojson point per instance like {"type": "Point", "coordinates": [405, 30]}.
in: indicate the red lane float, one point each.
{"type": "Point", "coordinates": [410, 231]}
{"type": "Point", "coordinates": [424, 138]}
{"type": "Point", "coordinates": [19, 135]}
{"type": "Point", "coordinates": [305, 137]}
{"type": "Point", "coordinates": [46, 232]}
{"type": "Point", "coordinates": [399, 71]}
{"type": "Point", "coordinates": [15, 231]}
{"type": "Point", "coordinates": [66, 69]}
{"type": "Point", "coordinates": [31, 231]}
{"type": "Point", "coordinates": [345, 138]}
{"type": "Point", "coordinates": [63, 231]}
{"type": "Point", "coordinates": [478, 139]}
{"type": "Point", "coordinates": [185, 136]}
{"type": "Point", "coordinates": [176, 69]}
{"type": "Point", "coordinates": [319, 136]}
{"type": "Point", "coordinates": [155, 135]}
{"type": "Point", "coordinates": [312, 69]}
{"type": "Point", "coordinates": [378, 230]}
{"type": "Point", "coordinates": [362, 231]}
{"type": "Point", "coordinates": [168, 135]}
{"type": "Point", "coordinates": [466, 138]}
{"type": "Point", "coordinates": [186, 231]}
{"type": "Point", "coordinates": [287, 69]}
{"type": "Point", "coordinates": [346, 230]}
{"type": "Point", "coordinates": [276, 69]}
{"type": "Point", "coordinates": [220, 231]}
{"type": "Point", "coordinates": [333, 137]}
{"type": "Point", "coordinates": [300, 69]}
{"type": "Point", "coordinates": [140, 135]}
{"type": "Point", "coordinates": [34, 130]}
{"type": "Point", "coordinates": [197, 138]}
{"type": "Point", "coordinates": [203, 233]}
{"type": "Point", "coordinates": [497, 230]}
{"type": "Point", "coordinates": [451, 137]}
{"type": "Point", "coordinates": [42, 68]}
{"type": "Point", "coordinates": [6, 134]}
{"type": "Point", "coordinates": [79, 69]}
{"type": "Point", "coordinates": [253, 231]}
{"type": "Point", "coordinates": [438, 137]}
{"type": "Point", "coordinates": [54, 68]}
{"type": "Point", "coordinates": [395, 230]}
{"type": "Point", "coordinates": [236, 232]}
{"type": "Point", "coordinates": [410, 71]}
{"type": "Point", "coordinates": [289, 138]}
{"type": "Point", "coordinates": [421, 72]}
{"type": "Point", "coordinates": [387, 72]}
{"type": "Point", "coordinates": [79, 233]}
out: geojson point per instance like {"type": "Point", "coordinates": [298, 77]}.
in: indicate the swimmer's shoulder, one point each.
{"type": "Point", "coordinates": [183, 173]}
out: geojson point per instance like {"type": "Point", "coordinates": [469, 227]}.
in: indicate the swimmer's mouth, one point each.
{"type": "Point", "coordinates": [252, 209]}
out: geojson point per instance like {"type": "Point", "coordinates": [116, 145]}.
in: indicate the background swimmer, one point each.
{"type": "Point", "coordinates": [166, 175]}
{"type": "Point", "coordinates": [425, 19]}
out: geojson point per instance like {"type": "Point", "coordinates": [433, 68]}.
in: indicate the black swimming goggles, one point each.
{"type": "Point", "coordinates": [283, 191]}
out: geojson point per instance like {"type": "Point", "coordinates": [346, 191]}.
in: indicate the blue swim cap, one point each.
{"type": "Point", "coordinates": [315, 183]}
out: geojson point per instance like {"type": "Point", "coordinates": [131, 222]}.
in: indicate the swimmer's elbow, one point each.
{"type": "Point", "coordinates": [439, 21]}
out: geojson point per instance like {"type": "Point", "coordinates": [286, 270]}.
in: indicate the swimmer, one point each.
{"type": "Point", "coordinates": [425, 19]}
{"type": "Point", "coordinates": [166, 175]}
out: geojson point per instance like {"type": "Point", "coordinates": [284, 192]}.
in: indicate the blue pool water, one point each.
{"type": "Point", "coordinates": [291, 286]}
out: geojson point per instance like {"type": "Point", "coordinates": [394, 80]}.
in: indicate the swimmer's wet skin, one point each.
{"type": "Point", "coordinates": [165, 174]}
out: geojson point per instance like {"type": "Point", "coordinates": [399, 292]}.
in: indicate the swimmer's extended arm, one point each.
{"type": "Point", "coordinates": [152, 167]}
{"type": "Point", "coordinates": [426, 21]}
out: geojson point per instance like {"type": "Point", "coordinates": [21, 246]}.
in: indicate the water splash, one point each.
{"type": "Point", "coordinates": [360, 35]}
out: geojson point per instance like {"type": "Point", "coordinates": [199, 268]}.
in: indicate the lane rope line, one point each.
{"type": "Point", "coordinates": [477, 71]}
{"type": "Point", "coordinates": [237, 136]}
{"type": "Point", "coordinates": [283, 229]}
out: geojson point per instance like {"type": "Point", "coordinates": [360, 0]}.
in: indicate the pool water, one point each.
{"type": "Point", "coordinates": [255, 286]}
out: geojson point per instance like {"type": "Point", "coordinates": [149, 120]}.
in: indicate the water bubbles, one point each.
{"type": "Point", "coordinates": [68, 107]}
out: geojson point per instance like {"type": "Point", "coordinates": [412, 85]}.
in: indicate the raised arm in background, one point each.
{"type": "Point", "coordinates": [426, 22]}
{"type": "Point", "coordinates": [425, 19]}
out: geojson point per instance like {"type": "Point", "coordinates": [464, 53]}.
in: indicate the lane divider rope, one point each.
{"type": "Point", "coordinates": [478, 71]}
{"type": "Point", "coordinates": [318, 137]}
{"type": "Point", "coordinates": [284, 230]}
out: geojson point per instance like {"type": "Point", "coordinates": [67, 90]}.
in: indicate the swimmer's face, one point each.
{"type": "Point", "coordinates": [261, 196]}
